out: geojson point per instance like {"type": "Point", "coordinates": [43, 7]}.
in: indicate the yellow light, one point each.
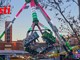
{"type": "Point", "coordinates": [76, 52]}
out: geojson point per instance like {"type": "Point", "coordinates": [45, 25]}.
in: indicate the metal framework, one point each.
{"type": "Point", "coordinates": [33, 4]}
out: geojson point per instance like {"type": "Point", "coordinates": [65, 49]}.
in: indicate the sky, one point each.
{"type": "Point", "coordinates": [24, 21]}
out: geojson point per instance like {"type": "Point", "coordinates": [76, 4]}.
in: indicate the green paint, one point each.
{"type": "Point", "coordinates": [45, 27]}
{"type": "Point", "coordinates": [49, 36]}
{"type": "Point", "coordinates": [27, 1]}
{"type": "Point", "coordinates": [61, 35]}
{"type": "Point", "coordinates": [2, 34]}
{"type": "Point", "coordinates": [36, 2]}
{"type": "Point", "coordinates": [35, 19]}
{"type": "Point", "coordinates": [30, 29]}
{"type": "Point", "coordinates": [34, 15]}
{"type": "Point", "coordinates": [68, 45]}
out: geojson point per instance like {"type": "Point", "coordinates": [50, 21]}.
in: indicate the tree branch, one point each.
{"type": "Point", "coordinates": [66, 19]}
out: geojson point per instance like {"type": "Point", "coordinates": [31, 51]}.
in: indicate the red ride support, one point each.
{"type": "Point", "coordinates": [32, 3]}
{"type": "Point", "coordinates": [21, 10]}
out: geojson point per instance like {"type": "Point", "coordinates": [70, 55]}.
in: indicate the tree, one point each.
{"type": "Point", "coordinates": [78, 4]}
{"type": "Point", "coordinates": [57, 4]}
{"type": "Point", "coordinates": [79, 8]}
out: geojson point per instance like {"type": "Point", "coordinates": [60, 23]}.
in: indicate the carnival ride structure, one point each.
{"type": "Point", "coordinates": [46, 33]}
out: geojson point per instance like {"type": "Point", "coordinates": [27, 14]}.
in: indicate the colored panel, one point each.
{"type": "Point", "coordinates": [49, 37]}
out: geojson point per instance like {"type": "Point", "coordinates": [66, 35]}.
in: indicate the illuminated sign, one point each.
{"type": "Point", "coordinates": [5, 10]}
{"type": "Point", "coordinates": [31, 38]}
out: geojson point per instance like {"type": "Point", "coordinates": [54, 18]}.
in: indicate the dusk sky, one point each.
{"type": "Point", "coordinates": [24, 21]}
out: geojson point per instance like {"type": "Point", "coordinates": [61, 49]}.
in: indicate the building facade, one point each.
{"type": "Point", "coordinates": [8, 34]}
{"type": "Point", "coordinates": [8, 44]}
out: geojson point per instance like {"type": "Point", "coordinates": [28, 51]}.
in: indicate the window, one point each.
{"type": "Point", "coordinates": [8, 38]}
{"type": "Point", "coordinates": [8, 31]}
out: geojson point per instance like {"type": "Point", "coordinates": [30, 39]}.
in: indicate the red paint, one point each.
{"type": "Point", "coordinates": [41, 24]}
{"type": "Point", "coordinates": [21, 10]}
{"type": "Point", "coordinates": [32, 3]}
{"type": "Point", "coordinates": [14, 44]}
{"type": "Point", "coordinates": [44, 12]}
{"type": "Point", "coordinates": [5, 10]}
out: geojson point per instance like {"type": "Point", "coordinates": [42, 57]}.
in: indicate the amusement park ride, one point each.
{"type": "Point", "coordinates": [46, 33]}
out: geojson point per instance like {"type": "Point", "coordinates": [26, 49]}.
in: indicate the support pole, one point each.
{"type": "Point", "coordinates": [54, 28]}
